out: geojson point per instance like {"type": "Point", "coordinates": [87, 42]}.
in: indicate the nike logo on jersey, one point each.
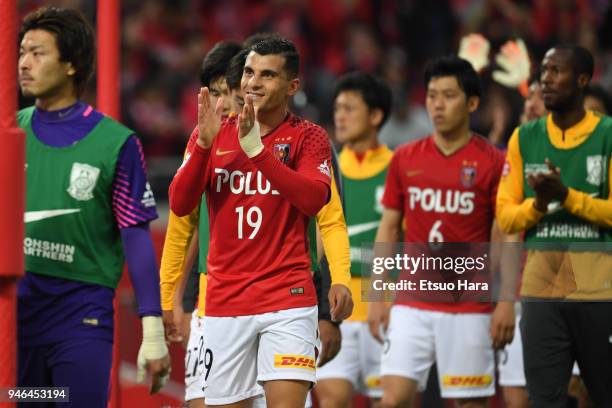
{"type": "Point", "coordinates": [360, 228]}
{"type": "Point", "coordinates": [412, 173]}
{"type": "Point", "coordinates": [556, 206]}
{"type": "Point", "coordinates": [220, 152]}
{"type": "Point", "coordinates": [31, 216]}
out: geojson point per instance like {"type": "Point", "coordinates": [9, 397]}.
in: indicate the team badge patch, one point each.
{"type": "Point", "coordinates": [595, 165]}
{"type": "Point", "coordinates": [324, 168]}
{"type": "Point", "coordinates": [281, 152]}
{"type": "Point", "coordinates": [83, 178]}
{"type": "Point", "coordinates": [468, 174]}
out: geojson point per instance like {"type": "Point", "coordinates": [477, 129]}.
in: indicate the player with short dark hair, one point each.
{"type": "Point", "coordinates": [88, 204]}
{"type": "Point", "coordinates": [463, 170]}
{"type": "Point", "coordinates": [362, 105]}
{"type": "Point", "coordinates": [265, 173]}
{"type": "Point", "coordinates": [189, 235]}
{"type": "Point", "coordinates": [556, 188]}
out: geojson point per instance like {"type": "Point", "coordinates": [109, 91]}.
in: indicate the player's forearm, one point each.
{"type": "Point", "coordinates": [188, 184]}
{"type": "Point", "coordinates": [140, 257]}
{"type": "Point", "coordinates": [513, 218]}
{"type": "Point", "coordinates": [334, 237]}
{"type": "Point", "coordinates": [178, 237]}
{"type": "Point", "coordinates": [189, 268]}
{"type": "Point", "coordinates": [509, 263]}
{"type": "Point", "coordinates": [307, 195]}
{"type": "Point", "coordinates": [337, 250]}
{"type": "Point", "coordinates": [190, 294]}
{"type": "Point", "coordinates": [594, 210]}
{"type": "Point", "coordinates": [322, 282]}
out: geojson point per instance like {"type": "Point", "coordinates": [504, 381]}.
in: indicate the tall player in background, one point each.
{"type": "Point", "coordinates": [557, 189]}
{"type": "Point", "coordinates": [265, 173]}
{"type": "Point", "coordinates": [88, 203]}
{"type": "Point", "coordinates": [362, 105]}
{"type": "Point", "coordinates": [451, 162]}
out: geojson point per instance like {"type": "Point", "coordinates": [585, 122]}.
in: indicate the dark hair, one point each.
{"type": "Point", "coordinates": [257, 37]}
{"type": "Point", "coordinates": [582, 59]}
{"type": "Point", "coordinates": [217, 60]}
{"type": "Point", "coordinates": [374, 91]}
{"type": "Point", "coordinates": [597, 91]}
{"type": "Point", "coordinates": [459, 68]}
{"type": "Point", "coordinates": [233, 73]}
{"type": "Point", "coordinates": [276, 45]}
{"type": "Point", "coordinates": [73, 35]}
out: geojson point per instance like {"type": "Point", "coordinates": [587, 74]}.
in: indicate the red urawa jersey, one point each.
{"type": "Point", "coordinates": [445, 198]}
{"type": "Point", "coordinates": [258, 258]}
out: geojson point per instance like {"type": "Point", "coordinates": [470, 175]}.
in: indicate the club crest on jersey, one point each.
{"type": "Point", "coordinates": [595, 165]}
{"type": "Point", "coordinates": [281, 152]}
{"type": "Point", "coordinates": [324, 168]}
{"type": "Point", "coordinates": [468, 175]}
{"type": "Point", "coordinates": [83, 178]}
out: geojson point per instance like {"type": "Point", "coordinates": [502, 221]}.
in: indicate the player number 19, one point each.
{"type": "Point", "coordinates": [253, 219]}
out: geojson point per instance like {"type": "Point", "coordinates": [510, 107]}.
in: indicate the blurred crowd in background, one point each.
{"type": "Point", "coordinates": [164, 41]}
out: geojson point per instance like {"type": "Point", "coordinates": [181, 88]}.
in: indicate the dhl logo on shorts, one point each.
{"type": "Point", "coordinates": [466, 380]}
{"type": "Point", "coordinates": [373, 381]}
{"type": "Point", "coordinates": [294, 361]}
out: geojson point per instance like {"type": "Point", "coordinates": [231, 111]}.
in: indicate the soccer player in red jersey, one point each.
{"type": "Point", "coordinates": [264, 173]}
{"type": "Point", "coordinates": [443, 189]}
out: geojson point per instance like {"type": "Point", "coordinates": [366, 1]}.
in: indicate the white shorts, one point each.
{"type": "Point", "coordinates": [510, 361]}
{"type": "Point", "coordinates": [247, 350]}
{"type": "Point", "coordinates": [358, 360]}
{"type": "Point", "coordinates": [459, 343]}
{"type": "Point", "coordinates": [195, 359]}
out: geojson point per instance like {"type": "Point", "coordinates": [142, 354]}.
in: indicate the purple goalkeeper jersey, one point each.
{"type": "Point", "coordinates": [52, 309]}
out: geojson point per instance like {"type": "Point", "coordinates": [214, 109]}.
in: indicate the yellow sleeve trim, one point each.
{"type": "Point", "coordinates": [513, 212]}
{"type": "Point", "coordinates": [176, 244]}
{"type": "Point", "coordinates": [334, 236]}
{"type": "Point", "coordinates": [594, 210]}
{"type": "Point", "coordinates": [202, 295]}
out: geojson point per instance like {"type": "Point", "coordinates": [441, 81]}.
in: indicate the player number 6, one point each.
{"type": "Point", "coordinates": [434, 234]}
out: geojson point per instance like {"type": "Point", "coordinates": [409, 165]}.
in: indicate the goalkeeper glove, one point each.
{"type": "Point", "coordinates": [153, 347]}
{"type": "Point", "coordinates": [513, 60]}
{"type": "Point", "coordinates": [475, 49]}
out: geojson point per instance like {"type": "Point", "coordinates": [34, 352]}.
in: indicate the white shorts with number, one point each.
{"type": "Point", "coordinates": [195, 359]}
{"type": "Point", "coordinates": [248, 350]}
{"type": "Point", "coordinates": [358, 360]}
{"type": "Point", "coordinates": [510, 359]}
{"type": "Point", "coordinates": [459, 343]}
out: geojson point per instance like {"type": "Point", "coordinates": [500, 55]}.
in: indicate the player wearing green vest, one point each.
{"type": "Point", "coordinates": [362, 104]}
{"type": "Point", "coordinates": [556, 188]}
{"type": "Point", "coordinates": [88, 203]}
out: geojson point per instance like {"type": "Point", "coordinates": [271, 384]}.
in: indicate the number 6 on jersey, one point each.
{"type": "Point", "coordinates": [435, 235]}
